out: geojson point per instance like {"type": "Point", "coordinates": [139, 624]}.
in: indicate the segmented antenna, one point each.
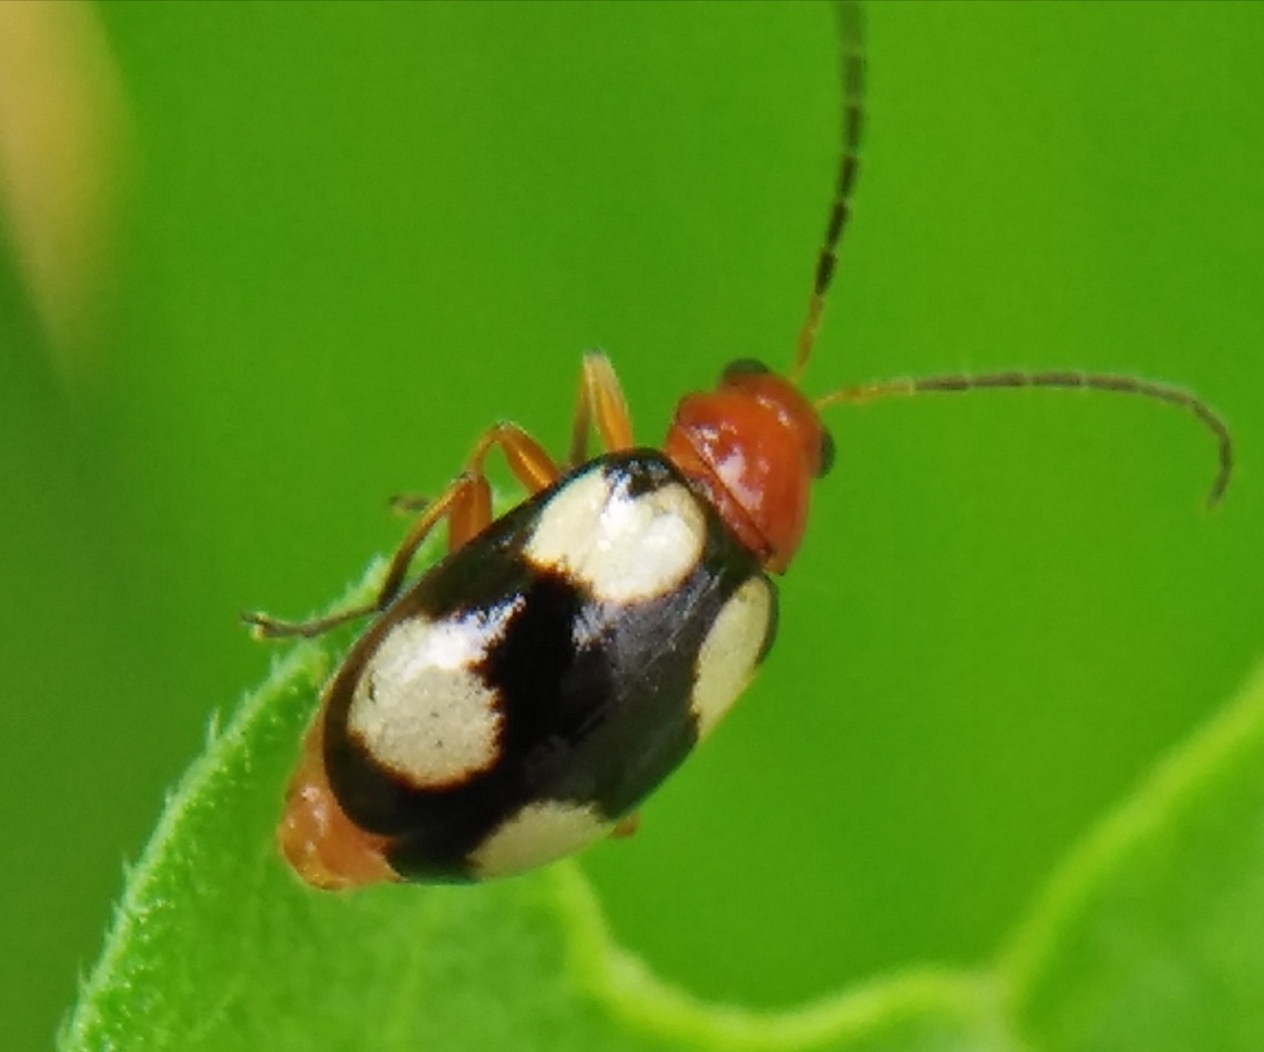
{"type": "Point", "coordinates": [851, 39]}
{"type": "Point", "coordinates": [852, 43]}
{"type": "Point", "coordinates": [1133, 385]}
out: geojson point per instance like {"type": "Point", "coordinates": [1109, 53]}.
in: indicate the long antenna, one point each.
{"type": "Point", "coordinates": [852, 43]}
{"type": "Point", "coordinates": [956, 382]}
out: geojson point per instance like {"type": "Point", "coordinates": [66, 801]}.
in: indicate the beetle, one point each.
{"type": "Point", "coordinates": [522, 697]}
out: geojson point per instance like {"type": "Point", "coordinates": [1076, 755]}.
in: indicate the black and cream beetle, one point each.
{"type": "Point", "coordinates": [524, 695]}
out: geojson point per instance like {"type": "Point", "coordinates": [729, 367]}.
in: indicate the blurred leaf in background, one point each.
{"type": "Point", "coordinates": [361, 233]}
{"type": "Point", "coordinates": [63, 136]}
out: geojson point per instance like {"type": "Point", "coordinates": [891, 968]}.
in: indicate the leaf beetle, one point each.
{"type": "Point", "coordinates": [521, 697]}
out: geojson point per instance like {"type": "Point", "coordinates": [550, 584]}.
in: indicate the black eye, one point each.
{"type": "Point", "coordinates": [826, 456]}
{"type": "Point", "coordinates": [743, 367]}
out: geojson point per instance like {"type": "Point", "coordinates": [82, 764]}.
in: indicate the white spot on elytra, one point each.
{"type": "Point", "coordinates": [537, 834]}
{"type": "Point", "coordinates": [621, 546]}
{"type": "Point", "coordinates": [420, 709]}
{"type": "Point", "coordinates": [730, 652]}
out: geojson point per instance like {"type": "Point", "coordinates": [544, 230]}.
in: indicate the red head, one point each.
{"type": "Point", "coordinates": [753, 446]}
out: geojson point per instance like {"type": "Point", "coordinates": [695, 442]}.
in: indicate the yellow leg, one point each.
{"type": "Point", "coordinates": [466, 505]}
{"type": "Point", "coordinates": [601, 405]}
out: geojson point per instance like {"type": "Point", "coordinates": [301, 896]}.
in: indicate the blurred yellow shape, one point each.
{"type": "Point", "coordinates": [63, 135]}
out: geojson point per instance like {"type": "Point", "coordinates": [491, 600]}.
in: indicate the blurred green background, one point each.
{"type": "Point", "coordinates": [359, 234]}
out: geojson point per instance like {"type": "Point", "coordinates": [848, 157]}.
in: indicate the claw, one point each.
{"type": "Point", "coordinates": [627, 825]}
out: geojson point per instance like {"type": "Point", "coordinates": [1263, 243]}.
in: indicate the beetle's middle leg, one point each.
{"type": "Point", "coordinates": [459, 494]}
{"type": "Point", "coordinates": [466, 505]}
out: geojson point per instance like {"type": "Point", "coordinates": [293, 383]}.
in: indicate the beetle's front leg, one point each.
{"type": "Point", "coordinates": [600, 406]}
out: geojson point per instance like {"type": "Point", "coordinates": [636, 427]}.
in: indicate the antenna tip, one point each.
{"type": "Point", "coordinates": [1217, 491]}
{"type": "Point", "coordinates": [1224, 474]}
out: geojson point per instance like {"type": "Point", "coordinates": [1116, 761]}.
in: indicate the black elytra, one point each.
{"type": "Point", "coordinates": [594, 695]}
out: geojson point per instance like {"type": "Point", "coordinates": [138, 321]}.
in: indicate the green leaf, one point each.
{"type": "Point", "coordinates": [1151, 938]}
{"type": "Point", "coordinates": [217, 946]}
